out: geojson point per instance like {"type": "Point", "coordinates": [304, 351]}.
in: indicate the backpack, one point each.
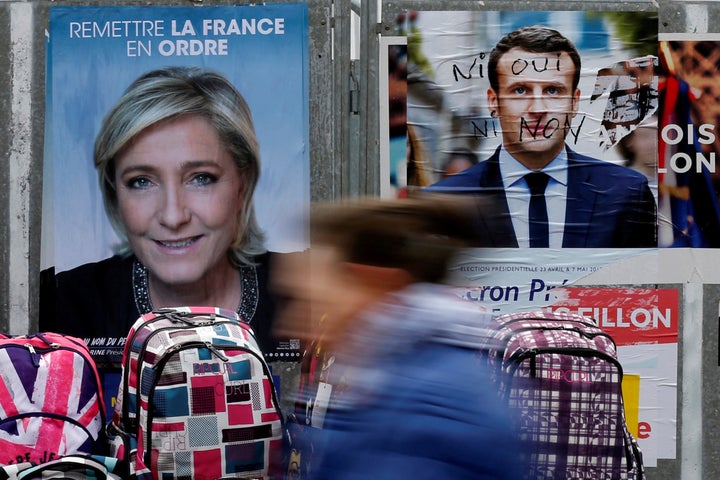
{"type": "Point", "coordinates": [560, 374]}
{"type": "Point", "coordinates": [318, 386]}
{"type": "Point", "coordinates": [51, 401]}
{"type": "Point", "coordinates": [196, 399]}
{"type": "Point", "coordinates": [80, 467]}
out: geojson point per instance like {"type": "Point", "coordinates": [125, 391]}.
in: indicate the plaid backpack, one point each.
{"type": "Point", "coordinates": [196, 399]}
{"type": "Point", "coordinates": [50, 398]}
{"type": "Point", "coordinates": [561, 376]}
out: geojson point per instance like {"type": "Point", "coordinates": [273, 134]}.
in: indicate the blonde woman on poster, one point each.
{"type": "Point", "coordinates": [177, 159]}
{"type": "Point", "coordinates": [173, 175]}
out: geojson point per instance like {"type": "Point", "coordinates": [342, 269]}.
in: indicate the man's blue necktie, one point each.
{"type": "Point", "coordinates": [537, 214]}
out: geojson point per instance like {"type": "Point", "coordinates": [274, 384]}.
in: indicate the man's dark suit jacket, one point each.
{"type": "Point", "coordinates": [608, 205]}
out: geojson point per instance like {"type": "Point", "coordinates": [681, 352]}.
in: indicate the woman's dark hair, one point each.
{"type": "Point", "coordinates": [420, 235]}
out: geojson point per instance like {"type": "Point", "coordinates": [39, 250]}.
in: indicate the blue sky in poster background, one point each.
{"type": "Point", "coordinates": [87, 75]}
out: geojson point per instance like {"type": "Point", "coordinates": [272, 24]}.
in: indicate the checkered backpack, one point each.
{"type": "Point", "coordinates": [51, 401]}
{"type": "Point", "coordinates": [561, 376]}
{"type": "Point", "coordinates": [196, 399]}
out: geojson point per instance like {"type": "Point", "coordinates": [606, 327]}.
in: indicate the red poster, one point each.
{"type": "Point", "coordinates": [632, 316]}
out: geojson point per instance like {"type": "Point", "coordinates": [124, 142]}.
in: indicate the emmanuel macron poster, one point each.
{"type": "Point", "coordinates": [555, 93]}
{"type": "Point", "coordinates": [509, 92]}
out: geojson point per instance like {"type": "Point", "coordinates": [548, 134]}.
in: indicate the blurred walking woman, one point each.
{"type": "Point", "coordinates": [177, 159]}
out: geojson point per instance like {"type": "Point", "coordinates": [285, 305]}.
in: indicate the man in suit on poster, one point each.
{"type": "Point", "coordinates": [544, 194]}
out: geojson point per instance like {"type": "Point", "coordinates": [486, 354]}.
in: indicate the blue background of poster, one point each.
{"type": "Point", "coordinates": [88, 72]}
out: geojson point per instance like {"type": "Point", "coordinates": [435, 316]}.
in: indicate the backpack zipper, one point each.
{"type": "Point", "coordinates": [173, 316]}
{"type": "Point", "coordinates": [55, 416]}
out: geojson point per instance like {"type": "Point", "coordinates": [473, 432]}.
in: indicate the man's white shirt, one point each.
{"type": "Point", "coordinates": [517, 193]}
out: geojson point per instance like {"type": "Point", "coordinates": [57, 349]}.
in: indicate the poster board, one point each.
{"type": "Point", "coordinates": [94, 53]}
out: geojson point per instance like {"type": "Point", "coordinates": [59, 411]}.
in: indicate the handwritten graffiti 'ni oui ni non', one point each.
{"type": "Point", "coordinates": [532, 129]}
{"type": "Point", "coordinates": [517, 67]}
{"type": "Point", "coordinates": [687, 160]}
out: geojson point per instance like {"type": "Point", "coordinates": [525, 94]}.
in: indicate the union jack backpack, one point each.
{"type": "Point", "coordinates": [51, 401]}
{"type": "Point", "coordinates": [196, 399]}
{"type": "Point", "coordinates": [561, 377]}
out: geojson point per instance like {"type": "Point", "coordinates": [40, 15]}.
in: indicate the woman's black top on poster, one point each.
{"type": "Point", "coordinates": [99, 302]}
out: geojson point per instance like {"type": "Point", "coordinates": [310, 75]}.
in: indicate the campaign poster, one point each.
{"type": "Point", "coordinates": [393, 116]}
{"type": "Point", "coordinates": [688, 176]}
{"type": "Point", "coordinates": [93, 56]}
{"type": "Point", "coordinates": [573, 96]}
{"type": "Point", "coordinates": [94, 53]}
{"type": "Point", "coordinates": [644, 325]}
{"type": "Point", "coordinates": [642, 321]}
{"type": "Point", "coordinates": [509, 280]}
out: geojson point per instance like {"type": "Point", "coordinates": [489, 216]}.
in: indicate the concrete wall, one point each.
{"type": "Point", "coordinates": [22, 115]}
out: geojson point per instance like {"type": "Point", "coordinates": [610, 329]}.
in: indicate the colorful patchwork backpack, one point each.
{"type": "Point", "coordinates": [50, 399]}
{"type": "Point", "coordinates": [196, 399]}
{"type": "Point", "coordinates": [561, 376]}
